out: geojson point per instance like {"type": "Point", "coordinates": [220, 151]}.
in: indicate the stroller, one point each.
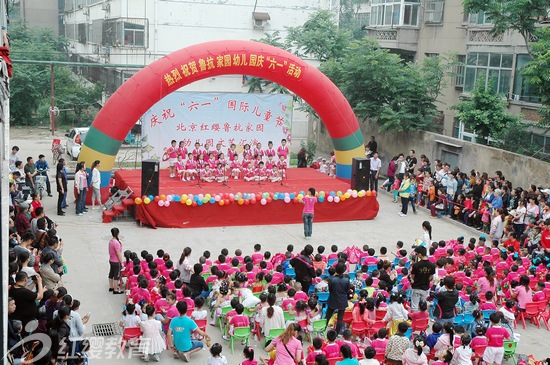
{"type": "Point", "coordinates": [40, 185]}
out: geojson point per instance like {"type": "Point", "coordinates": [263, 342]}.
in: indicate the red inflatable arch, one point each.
{"type": "Point", "coordinates": [151, 84]}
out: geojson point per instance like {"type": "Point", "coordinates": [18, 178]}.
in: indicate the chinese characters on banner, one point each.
{"type": "Point", "coordinates": [194, 68]}
{"type": "Point", "coordinates": [216, 118]}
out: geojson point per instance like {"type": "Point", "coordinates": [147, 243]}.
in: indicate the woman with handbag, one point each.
{"type": "Point", "coordinates": [287, 347]}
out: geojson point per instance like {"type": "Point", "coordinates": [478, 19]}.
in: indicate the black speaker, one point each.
{"type": "Point", "coordinates": [149, 177]}
{"type": "Point", "coordinates": [360, 173]}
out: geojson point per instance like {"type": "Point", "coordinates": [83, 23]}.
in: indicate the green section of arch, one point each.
{"type": "Point", "coordinates": [100, 142]}
{"type": "Point", "coordinates": [349, 142]}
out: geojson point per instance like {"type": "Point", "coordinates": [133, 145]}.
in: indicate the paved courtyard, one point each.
{"type": "Point", "coordinates": [86, 240]}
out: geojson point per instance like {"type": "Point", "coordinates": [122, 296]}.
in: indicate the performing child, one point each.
{"type": "Point", "coordinates": [172, 157]}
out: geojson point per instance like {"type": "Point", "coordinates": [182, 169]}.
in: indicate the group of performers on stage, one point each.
{"type": "Point", "coordinates": [213, 165]}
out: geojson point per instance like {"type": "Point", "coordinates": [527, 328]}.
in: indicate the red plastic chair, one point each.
{"type": "Point", "coordinates": [380, 357]}
{"type": "Point", "coordinates": [348, 317]}
{"type": "Point", "coordinates": [334, 360]}
{"type": "Point", "coordinates": [532, 311]}
{"type": "Point", "coordinates": [420, 325]}
{"type": "Point", "coordinates": [544, 313]}
{"type": "Point", "coordinates": [379, 314]}
{"type": "Point", "coordinates": [375, 327]}
{"type": "Point", "coordinates": [359, 329]}
{"type": "Point", "coordinates": [478, 353]}
{"type": "Point", "coordinates": [128, 334]}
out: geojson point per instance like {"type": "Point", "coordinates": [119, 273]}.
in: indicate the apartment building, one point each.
{"type": "Point", "coordinates": [423, 28]}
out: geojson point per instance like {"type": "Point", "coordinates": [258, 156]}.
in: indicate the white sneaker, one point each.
{"type": "Point", "coordinates": [188, 179]}
{"type": "Point", "coordinates": [401, 214]}
{"type": "Point", "coordinates": [236, 178]}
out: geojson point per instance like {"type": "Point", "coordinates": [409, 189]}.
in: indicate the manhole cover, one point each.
{"type": "Point", "coordinates": [106, 329]}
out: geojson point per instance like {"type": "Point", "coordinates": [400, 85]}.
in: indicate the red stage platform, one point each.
{"type": "Point", "coordinates": [179, 215]}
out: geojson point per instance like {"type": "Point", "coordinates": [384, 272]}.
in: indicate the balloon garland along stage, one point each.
{"type": "Point", "coordinates": [185, 205]}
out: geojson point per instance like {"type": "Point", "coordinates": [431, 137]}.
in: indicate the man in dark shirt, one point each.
{"type": "Point", "coordinates": [30, 172]}
{"type": "Point", "coordinates": [61, 180]}
{"type": "Point", "coordinates": [197, 284]}
{"type": "Point", "coordinates": [422, 273]}
{"type": "Point", "coordinates": [373, 145]}
{"type": "Point", "coordinates": [447, 298]}
{"type": "Point", "coordinates": [411, 162]}
{"type": "Point", "coordinates": [25, 299]}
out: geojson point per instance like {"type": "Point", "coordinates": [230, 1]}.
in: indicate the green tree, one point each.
{"type": "Point", "coordinates": [319, 37]}
{"type": "Point", "coordinates": [485, 112]}
{"type": "Point", "coordinates": [31, 84]}
{"type": "Point", "coordinates": [378, 85]}
{"type": "Point", "coordinates": [519, 15]}
{"type": "Point", "coordinates": [349, 9]}
{"type": "Point", "coordinates": [537, 71]}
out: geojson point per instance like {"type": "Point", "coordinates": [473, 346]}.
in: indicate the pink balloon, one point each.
{"type": "Point", "coordinates": [169, 198]}
{"type": "Point", "coordinates": [263, 202]}
{"type": "Point", "coordinates": [161, 203]}
{"type": "Point", "coordinates": [337, 199]}
{"type": "Point", "coordinates": [167, 203]}
{"type": "Point", "coordinates": [217, 198]}
{"type": "Point", "coordinates": [287, 199]}
{"type": "Point", "coordinates": [330, 198]}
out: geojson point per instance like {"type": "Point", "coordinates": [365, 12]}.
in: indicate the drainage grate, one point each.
{"type": "Point", "coordinates": [106, 329]}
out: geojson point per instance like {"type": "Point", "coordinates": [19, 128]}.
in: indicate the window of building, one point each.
{"type": "Point", "coordinates": [70, 31]}
{"type": "Point", "coordinates": [487, 66]}
{"type": "Point", "coordinates": [459, 70]}
{"type": "Point", "coordinates": [125, 32]}
{"type": "Point", "coordinates": [427, 54]}
{"type": "Point", "coordinates": [82, 33]}
{"type": "Point", "coordinates": [433, 12]}
{"type": "Point", "coordinates": [541, 141]}
{"type": "Point", "coordinates": [480, 19]}
{"type": "Point", "coordinates": [388, 12]}
{"type": "Point", "coordinates": [522, 89]}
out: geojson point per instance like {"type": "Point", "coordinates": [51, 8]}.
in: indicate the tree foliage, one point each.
{"type": "Point", "coordinates": [537, 71]}
{"type": "Point", "coordinates": [519, 15]}
{"type": "Point", "coordinates": [31, 84]}
{"type": "Point", "coordinates": [485, 111]}
{"type": "Point", "coordinates": [378, 85]}
{"type": "Point", "coordinates": [319, 37]}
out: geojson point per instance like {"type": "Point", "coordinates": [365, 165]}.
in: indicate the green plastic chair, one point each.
{"type": "Point", "coordinates": [221, 319]}
{"type": "Point", "coordinates": [288, 317]}
{"type": "Point", "coordinates": [319, 327]}
{"type": "Point", "coordinates": [274, 332]}
{"type": "Point", "coordinates": [239, 334]}
{"type": "Point", "coordinates": [510, 351]}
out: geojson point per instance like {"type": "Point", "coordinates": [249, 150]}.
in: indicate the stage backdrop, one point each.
{"type": "Point", "coordinates": [216, 118]}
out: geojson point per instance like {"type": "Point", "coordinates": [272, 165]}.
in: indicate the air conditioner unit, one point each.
{"type": "Point", "coordinates": [260, 20]}
{"type": "Point", "coordinates": [96, 49]}
{"type": "Point", "coordinates": [260, 24]}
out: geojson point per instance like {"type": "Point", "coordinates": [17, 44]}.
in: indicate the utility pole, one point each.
{"type": "Point", "coordinates": [52, 107]}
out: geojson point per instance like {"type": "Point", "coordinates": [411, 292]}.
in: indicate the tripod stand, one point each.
{"type": "Point", "coordinates": [282, 178]}
{"type": "Point", "coordinates": [198, 177]}
{"type": "Point", "coordinates": [225, 177]}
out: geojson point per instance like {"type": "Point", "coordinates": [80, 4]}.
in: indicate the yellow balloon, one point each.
{"type": "Point", "coordinates": [207, 196]}
{"type": "Point", "coordinates": [188, 202]}
{"type": "Point", "coordinates": [183, 198]}
{"type": "Point", "coordinates": [300, 196]}
{"type": "Point", "coordinates": [347, 195]}
{"type": "Point", "coordinates": [146, 200]}
{"type": "Point", "coordinates": [339, 193]}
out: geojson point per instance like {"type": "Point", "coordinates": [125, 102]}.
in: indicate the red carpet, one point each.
{"type": "Point", "coordinates": [179, 215]}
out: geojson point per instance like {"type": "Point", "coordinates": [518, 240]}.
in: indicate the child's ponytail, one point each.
{"type": "Point", "coordinates": [419, 343]}
{"type": "Point", "coordinates": [248, 352]}
{"type": "Point", "coordinates": [449, 328]}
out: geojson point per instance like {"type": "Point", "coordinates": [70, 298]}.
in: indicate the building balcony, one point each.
{"type": "Point", "coordinates": [404, 38]}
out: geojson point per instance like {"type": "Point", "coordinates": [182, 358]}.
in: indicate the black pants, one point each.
{"type": "Point", "coordinates": [60, 197]}
{"type": "Point", "coordinates": [48, 185]}
{"type": "Point", "coordinates": [305, 285]}
{"type": "Point", "coordinates": [339, 320]}
{"type": "Point", "coordinates": [373, 180]}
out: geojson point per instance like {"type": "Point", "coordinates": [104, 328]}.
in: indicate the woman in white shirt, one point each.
{"type": "Point", "coordinates": [96, 184]}
{"type": "Point", "coordinates": [519, 217]}
{"type": "Point", "coordinates": [271, 316]}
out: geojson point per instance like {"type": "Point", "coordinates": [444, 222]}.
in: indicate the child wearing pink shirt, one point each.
{"type": "Point", "coordinates": [239, 320]}
{"type": "Point", "coordinates": [496, 335]}
{"type": "Point", "coordinates": [522, 293]}
{"type": "Point", "coordinates": [332, 349]}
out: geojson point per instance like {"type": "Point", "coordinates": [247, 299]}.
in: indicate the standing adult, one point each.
{"type": "Point", "coordinates": [13, 157]}
{"type": "Point", "coordinates": [307, 214]}
{"type": "Point", "coordinates": [25, 299]}
{"type": "Point", "coordinates": [302, 158]}
{"type": "Point", "coordinates": [497, 226]}
{"type": "Point", "coordinates": [61, 180]}
{"type": "Point", "coordinates": [96, 184]}
{"type": "Point", "coordinates": [30, 172]}
{"type": "Point", "coordinates": [42, 169]}
{"type": "Point", "coordinates": [373, 145]}
{"type": "Point", "coordinates": [64, 171]}
{"type": "Point", "coordinates": [518, 218]}
{"type": "Point", "coordinates": [287, 346]}
{"type": "Point", "coordinates": [179, 334]}
{"type": "Point", "coordinates": [81, 185]}
{"type": "Point", "coordinates": [392, 167]}
{"type": "Point", "coordinates": [338, 287]}
{"type": "Point", "coordinates": [401, 167]}
{"type": "Point", "coordinates": [411, 162]}
{"type": "Point", "coordinates": [115, 261]}
{"type": "Point", "coordinates": [303, 266]}
{"type": "Point", "coordinates": [375, 165]}
{"type": "Point", "coordinates": [405, 194]}
{"type": "Point", "coordinates": [422, 273]}
{"type": "Point", "coordinates": [184, 266]}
